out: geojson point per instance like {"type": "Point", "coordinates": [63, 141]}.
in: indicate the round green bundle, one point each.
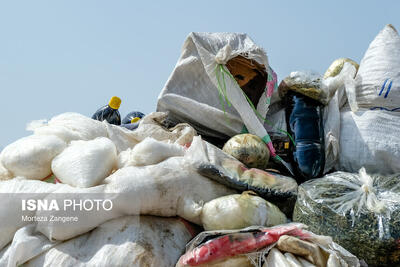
{"type": "Point", "coordinates": [249, 149]}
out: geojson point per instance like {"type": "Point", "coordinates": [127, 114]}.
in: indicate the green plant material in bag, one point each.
{"type": "Point", "coordinates": [360, 212]}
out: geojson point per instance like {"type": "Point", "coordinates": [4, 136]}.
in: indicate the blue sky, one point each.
{"type": "Point", "coordinates": [59, 56]}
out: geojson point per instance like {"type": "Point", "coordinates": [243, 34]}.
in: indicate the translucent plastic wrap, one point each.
{"type": "Point", "coordinates": [360, 212]}
{"type": "Point", "coordinates": [249, 149]}
{"type": "Point", "coordinates": [213, 248]}
{"type": "Point", "coordinates": [307, 83]}
{"type": "Point", "coordinates": [239, 211]}
{"type": "Point", "coordinates": [336, 67]}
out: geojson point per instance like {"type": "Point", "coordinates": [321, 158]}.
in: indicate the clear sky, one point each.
{"type": "Point", "coordinates": [59, 56]}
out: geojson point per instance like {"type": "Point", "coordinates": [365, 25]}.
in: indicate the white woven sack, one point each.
{"type": "Point", "coordinates": [31, 156]}
{"type": "Point", "coordinates": [370, 139]}
{"type": "Point", "coordinates": [85, 163]}
{"type": "Point", "coordinates": [125, 241]}
{"type": "Point", "coordinates": [191, 93]}
{"type": "Point", "coordinates": [378, 78]}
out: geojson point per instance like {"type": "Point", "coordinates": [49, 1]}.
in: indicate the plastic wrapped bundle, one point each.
{"type": "Point", "coordinates": [359, 211]}
{"type": "Point", "coordinates": [336, 67]}
{"type": "Point", "coordinates": [305, 123]}
{"type": "Point", "coordinates": [249, 149]}
{"type": "Point", "coordinates": [239, 211]}
{"type": "Point", "coordinates": [216, 248]}
{"type": "Point", "coordinates": [304, 94]}
{"type": "Point", "coordinates": [277, 189]}
{"type": "Point", "coordinates": [306, 83]}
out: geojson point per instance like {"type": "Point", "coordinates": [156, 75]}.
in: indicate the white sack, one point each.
{"type": "Point", "coordinates": [26, 245]}
{"type": "Point", "coordinates": [11, 211]}
{"type": "Point", "coordinates": [85, 163]}
{"type": "Point", "coordinates": [126, 241]}
{"type": "Point", "coordinates": [240, 211]}
{"type": "Point", "coordinates": [172, 187]}
{"type": "Point", "coordinates": [370, 139]}
{"type": "Point", "coordinates": [150, 126]}
{"type": "Point", "coordinates": [69, 126]}
{"type": "Point", "coordinates": [167, 189]}
{"type": "Point", "coordinates": [338, 84]}
{"type": "Point", "coordinates": [149, 152]}
{"type": "Point", "coordinates": [378, 79]}
{"type": "Point", "coordinates": [31, 156]}
{"type": "Point", "coordinates": [191, 93]}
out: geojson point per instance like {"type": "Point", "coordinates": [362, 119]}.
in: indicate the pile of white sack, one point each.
{"type": "Point", "coordinates": [149, 171]}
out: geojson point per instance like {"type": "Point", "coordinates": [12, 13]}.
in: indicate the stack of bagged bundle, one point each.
{"type": "Point", "coordinates": [359, 210]}
{"type": "Point", "coordinates": [143, 172]}
{"type": "Point", "coordinates": [285, 245]}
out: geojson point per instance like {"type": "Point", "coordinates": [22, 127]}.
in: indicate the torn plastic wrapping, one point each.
{"type": "Point", "coordinates": [360, 212]}
{"type": "Point", "coordinates": [214, 247]}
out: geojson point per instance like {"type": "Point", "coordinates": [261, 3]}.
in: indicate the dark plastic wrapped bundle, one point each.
{"type": "Point", "coordinates": [305, 123]}
{"type": "Point", "coordinates": [109, 112]}
{"type": "Point", "coordinates": [277, 189]}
